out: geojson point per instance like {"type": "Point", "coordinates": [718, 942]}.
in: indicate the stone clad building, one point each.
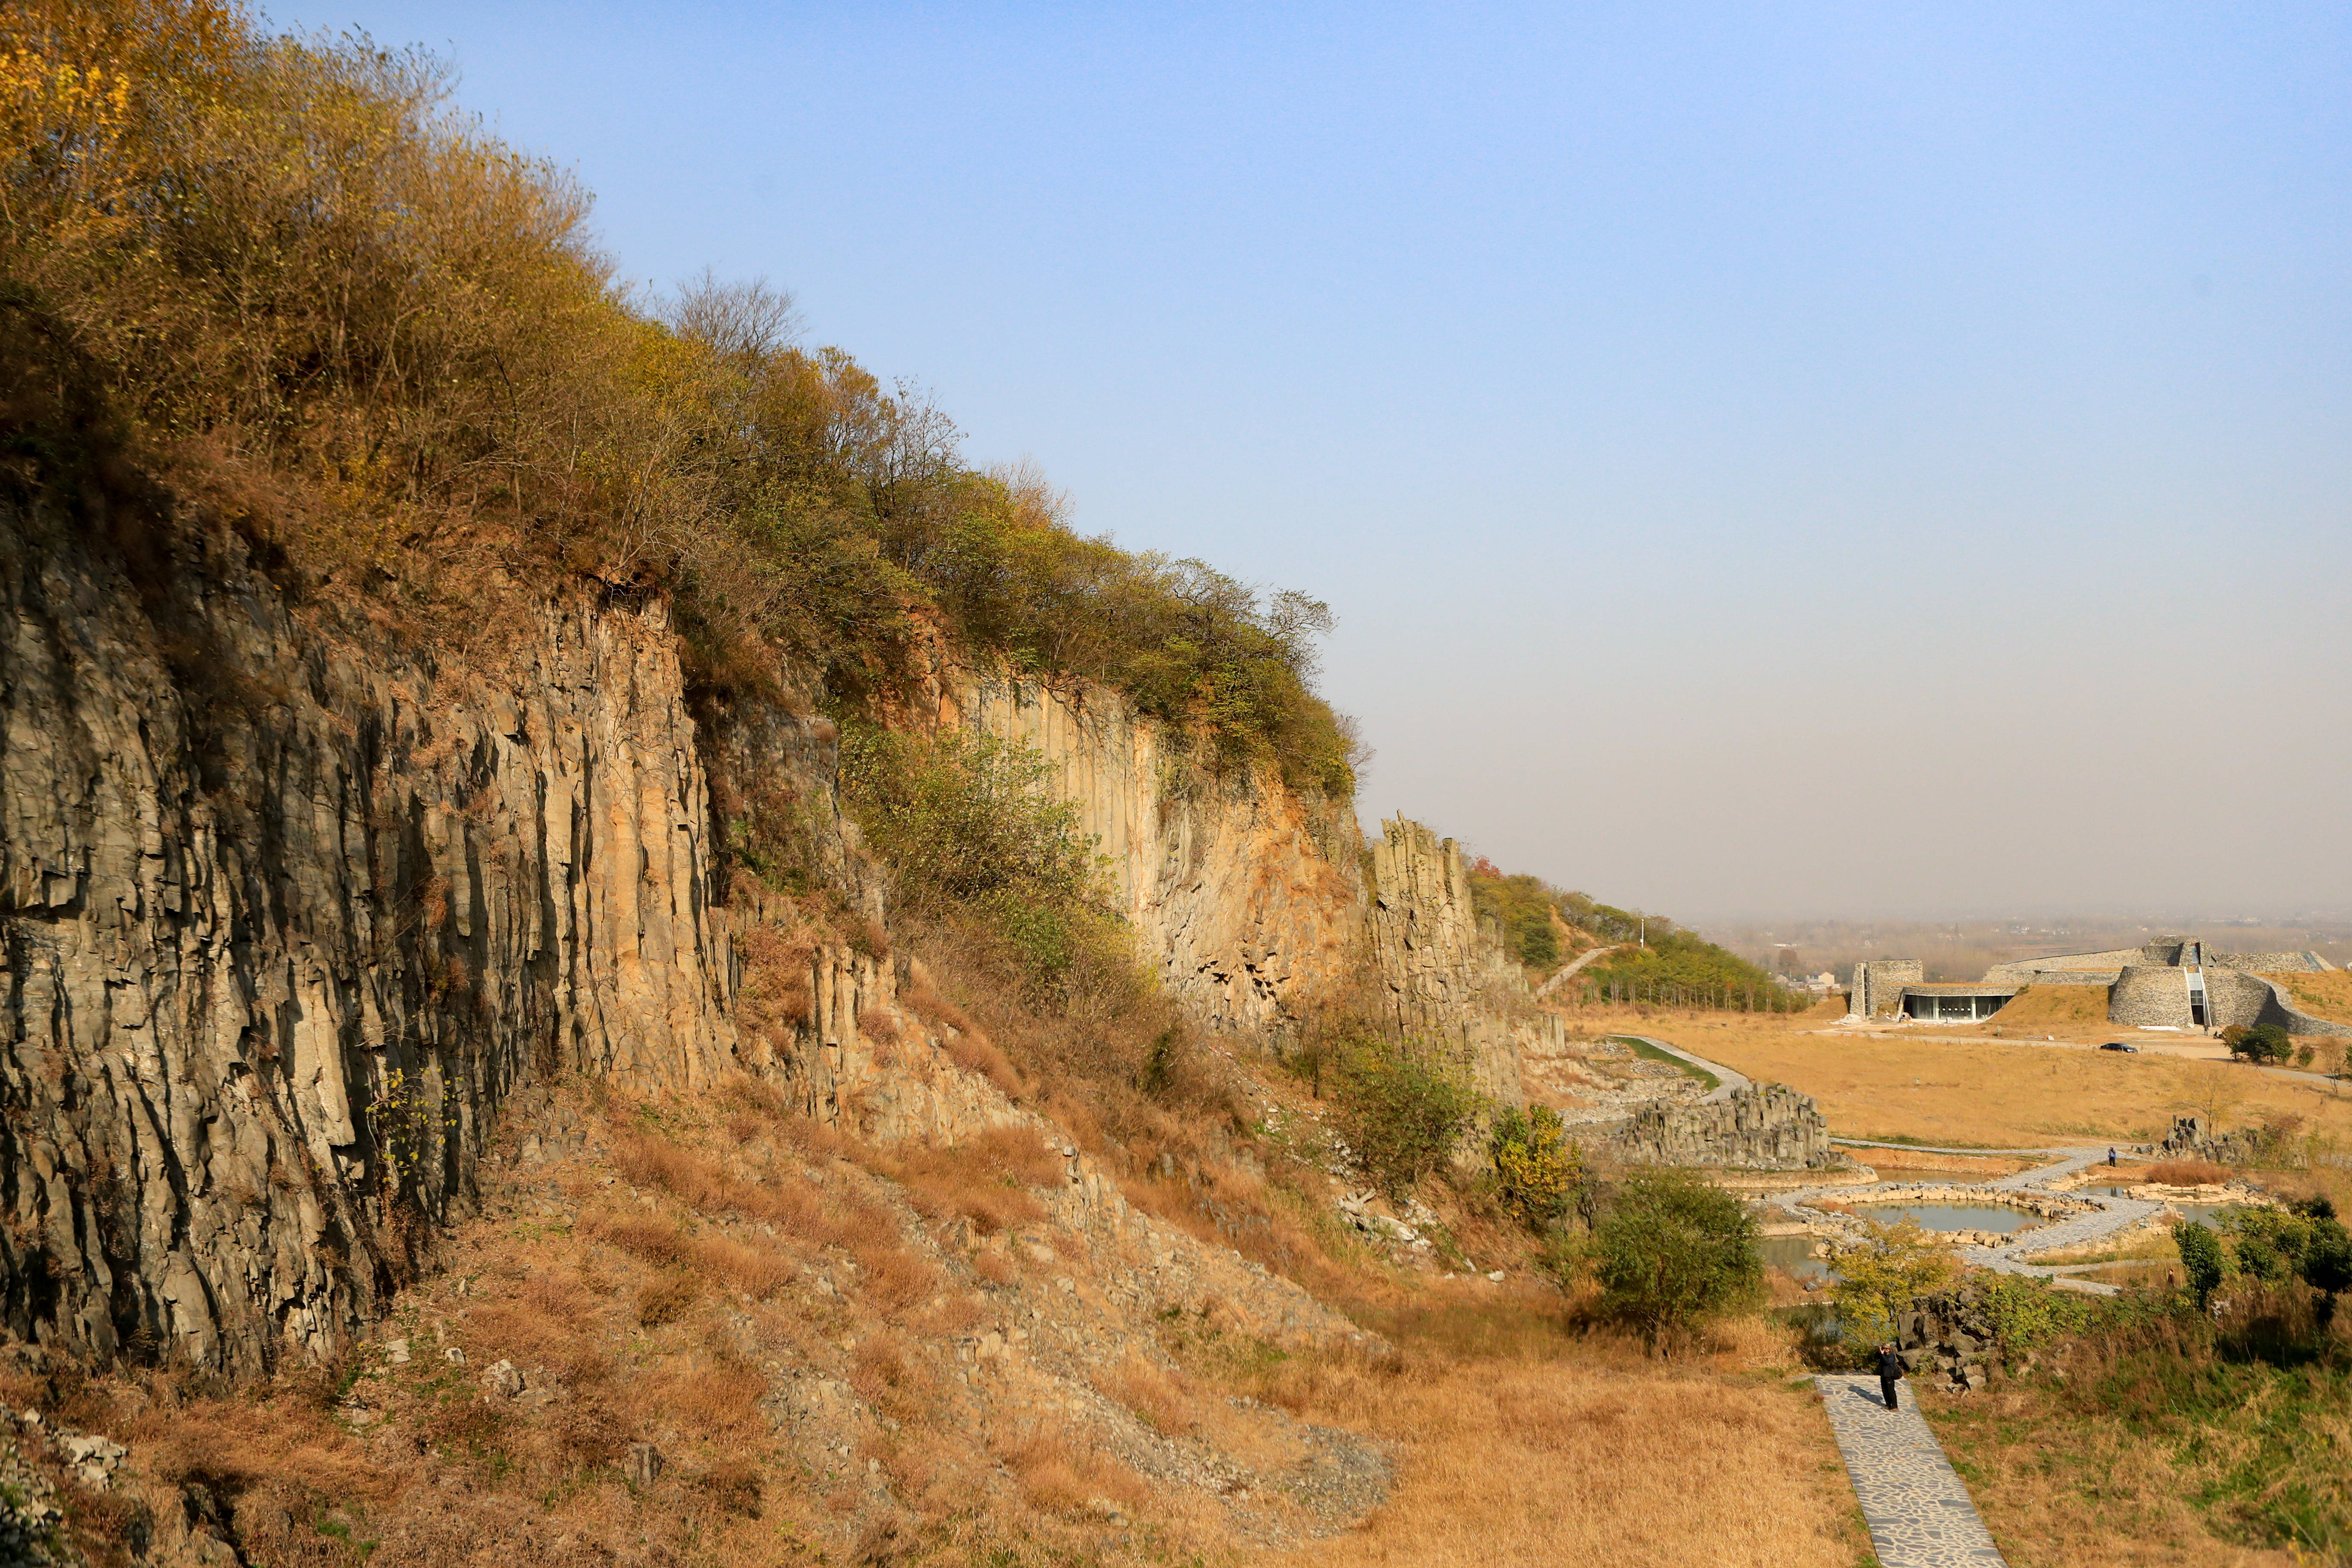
{"type": "Point", "coordinates": [2173, 983]}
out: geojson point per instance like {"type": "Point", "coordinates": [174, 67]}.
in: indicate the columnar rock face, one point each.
{"type": "Point", "coordinates": [1252, 900]}
{"type": "Point", "coordinates": [1765, 1127]}
{"type": "Point", "coordinates": [1442, 975]}
{"type": "Point", "coordinates": [285, 915]}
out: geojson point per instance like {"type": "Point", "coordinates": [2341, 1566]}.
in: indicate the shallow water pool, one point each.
{"type": "Point", "coordinates": [1793, 1255]}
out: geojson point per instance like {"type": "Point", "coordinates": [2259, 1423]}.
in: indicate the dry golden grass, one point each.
{"type": "Point", "coordinates": [1896, 1161]}
{"type": "Point", "coordinates": [982, 1180]}
{"type": "Point", "coordinates": [1989, 1093]}
{"type": "Point", "coordinates": [1594, 1458]}
{"type": "Point", "coordinates": [2071, 1012]}
{"type": "Point", "coordinates": [2327, 995]}
{"type": "Point", "coordinates": [2186, 1173]}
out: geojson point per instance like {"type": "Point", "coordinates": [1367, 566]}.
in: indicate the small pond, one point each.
{"type": "Point", "coordinates": [1793, 1255]}
{"type": "Point", "coordinates": [1950, 1217]}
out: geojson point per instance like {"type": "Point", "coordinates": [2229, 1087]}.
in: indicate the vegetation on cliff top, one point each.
{"type": "Point", "coordinates": [1659, 961]}
{"type": "Point", "coordinates": [385, 346]}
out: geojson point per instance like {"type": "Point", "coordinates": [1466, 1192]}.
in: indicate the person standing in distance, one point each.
{"type": "Point", "coordinates": [1890, 1367]}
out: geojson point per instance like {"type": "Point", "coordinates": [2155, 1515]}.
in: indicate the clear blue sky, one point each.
{"type": "Point", "coordinates": [1876, 458]}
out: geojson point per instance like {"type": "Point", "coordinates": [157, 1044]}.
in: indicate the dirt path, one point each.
{"type": "Point", "coordinates": [1545, 988]}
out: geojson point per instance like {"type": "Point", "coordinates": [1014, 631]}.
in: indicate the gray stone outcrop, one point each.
{"type": "Point", "coordinates": [2193, 1138]}
{"type": "Point", "coordinates": [1765, 1127]}
{"type": "Point", "coordinates": [1445, 976]}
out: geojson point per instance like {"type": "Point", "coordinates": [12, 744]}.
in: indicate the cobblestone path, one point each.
{"type": "Point", "coordinates": [1919, 1513]}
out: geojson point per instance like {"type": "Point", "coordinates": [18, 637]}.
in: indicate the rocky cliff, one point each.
{"type": "Point", "coordinates": [1247, 896]}
{"type": "Point", "coordinates": [290, 905]}
{"type": "Point", "coordinates": [288, 912]}
{"type": "Point", "coordinates": [1254, 901]}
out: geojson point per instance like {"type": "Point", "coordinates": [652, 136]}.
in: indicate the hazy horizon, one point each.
{"type": "Point", "coordinates": [1803, 458]}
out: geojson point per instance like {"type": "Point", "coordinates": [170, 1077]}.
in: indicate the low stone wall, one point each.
{"type": "Point", "coordinates": [2095, 968]}
{"type": "Point", "coordinates": [1765, 1127]}
{"type": "Point", "coordinates": [2233, 998]}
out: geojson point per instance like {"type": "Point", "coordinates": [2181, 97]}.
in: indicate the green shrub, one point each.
{"type": "Point", "coordinates": [964, 819]}
{"type": "Point", "coordinates": [2260, 1043]}
{"type": "Point", "coordinates": [2201, 1259]}
{"type": "Point", "coordinates": [1401, 1106]}
{"type": "Point", "coordinates": [1536, 1169]}
{"type": "Point", "coordinates": [1674, 1251]}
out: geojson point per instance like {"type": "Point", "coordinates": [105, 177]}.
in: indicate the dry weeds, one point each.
{"type": "Point", "coordinates": [1591, 1456]}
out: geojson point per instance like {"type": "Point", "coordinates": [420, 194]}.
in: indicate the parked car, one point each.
{"type": "Point", "coordinates": [2120, 1046]}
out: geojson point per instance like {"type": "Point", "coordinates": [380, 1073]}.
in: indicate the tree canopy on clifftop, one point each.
{"type": "Point", "coordinates": [384, 346]}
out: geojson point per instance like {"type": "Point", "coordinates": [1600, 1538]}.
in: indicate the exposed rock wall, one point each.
{"type": "Point", "coordinates": [1252, 901]}
{"type": "Point", "coordinates": [290, 908]}
{"type": "Point", "coordinates": [1246, 896]}
{"type": "Point", "coordinates": [1765, 1127]}
{"type": "Point", "coordinates": [2193, 1138]}
{"type": "Point", "coordinates": [285, 915]}
{"type": "Point", "coordinates": [1442, 974]}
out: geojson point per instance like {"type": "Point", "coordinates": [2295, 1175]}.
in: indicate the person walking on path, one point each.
{"type": "Point", "coordinates": [1890, 1367]}
{"type": "Point", "coordinates": [2111, 1159]}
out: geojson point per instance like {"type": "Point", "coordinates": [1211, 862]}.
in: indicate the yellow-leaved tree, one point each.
{"type": "Point", "coordinates": [1880, 1274]}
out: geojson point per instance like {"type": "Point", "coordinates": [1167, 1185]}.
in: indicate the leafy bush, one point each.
{"type": "Point", "coordinates": [2259, 1042]}
{"type": "Point", "coordinates": [1522, 906]}
{"type": "Point", "coordinates": [1536, 1169]}
{"type": "Point", "coordinates": [2306, 1242]}
{"type": "Point", "coordinates": [1401, 1106]}
{"type": "Point", "coordinates": [2027, 1313]}
{"type": "Point", "coordinates": [2201, 1259]}
{"type": "Point", "coordinates": [1674, 1252]}
{"type": "Point", "coordinates": [967, 826]}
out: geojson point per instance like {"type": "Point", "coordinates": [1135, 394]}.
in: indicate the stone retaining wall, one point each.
{"type": "Point", "coordinates": [2147, 995]}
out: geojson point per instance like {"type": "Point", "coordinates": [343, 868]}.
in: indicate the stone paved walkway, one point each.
{"type": "Point", "coordinates": [1919, 1513]}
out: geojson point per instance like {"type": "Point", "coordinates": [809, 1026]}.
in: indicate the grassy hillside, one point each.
{"type": "Point", "coordinates": [1658, 961]}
